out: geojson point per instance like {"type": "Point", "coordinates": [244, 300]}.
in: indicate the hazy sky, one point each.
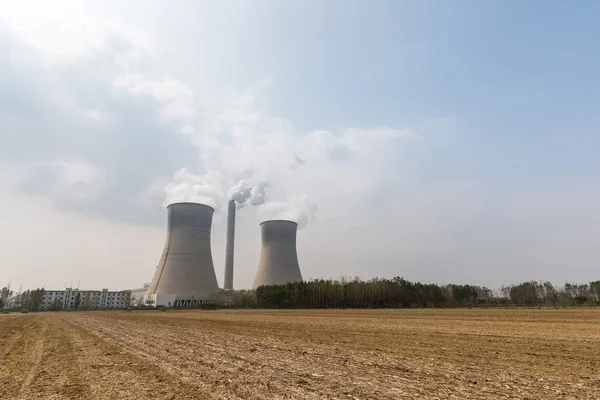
{"type": "Point", "coordinates": [438, 141]}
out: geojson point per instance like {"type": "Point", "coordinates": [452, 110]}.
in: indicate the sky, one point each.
{"type": "Point", "coordinates": [444, 142]}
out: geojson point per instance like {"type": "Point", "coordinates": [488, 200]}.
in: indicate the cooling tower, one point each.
{"type": "Point", "coordinates": [228, 282]}
{"type": "Point", "coordinates": [186, 267]}
{"type": "Point", "coordinates": [278, 262]}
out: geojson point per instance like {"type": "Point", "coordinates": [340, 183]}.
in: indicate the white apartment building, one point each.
{"type": "Point", "coordinates": [85, 299]}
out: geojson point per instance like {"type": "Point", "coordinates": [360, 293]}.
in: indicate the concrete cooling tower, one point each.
{"type": "Point", "coordinates": [186, 272]}
{"type": "Point", "coordinates": [278, 262]}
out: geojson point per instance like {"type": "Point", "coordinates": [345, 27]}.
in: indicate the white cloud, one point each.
{"type": "Point", "coordinates": [63, 31]}
{"type": "Point", "coordinates": [95, 115]}
{"type": "Point", "coordinates": [78, 90]}
{"type": "Point", "coordinates": [239, 141]}
{"type": "Point", "coordinates": [70, 180]}
{"type": "Point", "coordinates": [235, 138]}
{"type": "Point", "coordinates": [177, 100]}
{"type": "Point", "coordinates": [300, 210]}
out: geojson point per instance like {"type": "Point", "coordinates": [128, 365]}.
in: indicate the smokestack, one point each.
{"type": "Point", "coordinates": [186, 267]}
{"type": "Point", "coordinates": [278, 262]}
{"type": "Point", "coordinates": [228, 283]}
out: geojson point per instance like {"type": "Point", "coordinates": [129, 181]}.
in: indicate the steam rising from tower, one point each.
{"type": "Point", "coordinates": [278, 262]}
{"type": "Point", "coordinates": [228, 282]}
{"type": "Point", "coordinates": [186, 267]}
{"type": "Point", "coordinates": [249, 192]}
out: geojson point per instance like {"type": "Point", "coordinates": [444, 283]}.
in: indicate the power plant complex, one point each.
{"type": "Point", "coordinates": [185, 274]}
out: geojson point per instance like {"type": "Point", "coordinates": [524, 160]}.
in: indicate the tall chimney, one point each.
{"type": "Point", "coordinates": [228, 284]}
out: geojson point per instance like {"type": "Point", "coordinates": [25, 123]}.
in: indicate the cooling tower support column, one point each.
{"type": "Point", "coordinates": [186, 267]}
{"type": "Point", "coordinates": [278, 262]}
{"type": "Point", "coordinates": [228, 283]}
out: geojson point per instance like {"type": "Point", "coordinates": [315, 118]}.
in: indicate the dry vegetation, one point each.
{"type": "Point", "coordinates": [366, 354]}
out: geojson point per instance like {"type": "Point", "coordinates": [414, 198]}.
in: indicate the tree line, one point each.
{"type": "Point", "coordinates": [401, 293]}
{"type": "Point", "coordinates": [29, 300]}
{"type": "Point", "coordinates": [356, 293]}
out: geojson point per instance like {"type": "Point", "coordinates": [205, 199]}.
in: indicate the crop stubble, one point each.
{"type": "Point", "coordinates": [361, 354]}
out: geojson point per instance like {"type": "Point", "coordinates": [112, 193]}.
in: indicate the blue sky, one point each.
{"type": "Point", "coordinates": [443, 141]}
{"type": "Point", "coordinates": [518, 80]}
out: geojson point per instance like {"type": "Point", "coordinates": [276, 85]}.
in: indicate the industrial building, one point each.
{"type": "Point", "coordinates": [185, 275]}
{"type": "Point", "coordinates": [75, 298]}
{"type": "Point", "coordinates": [278, 262]}
{"type": "Point", "coordinates": [137, 295]}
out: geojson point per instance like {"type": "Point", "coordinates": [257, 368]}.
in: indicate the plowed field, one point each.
{"type": "Point", "coordinates": [366, 354]}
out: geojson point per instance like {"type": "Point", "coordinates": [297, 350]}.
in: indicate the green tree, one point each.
{"type": "Point", "coordinates": [550, 294]}
{"type": "Point", "coordinates": [24, 300]}
{"type": "Point", "coordinates": [77, 300]}
{"type": "Point", "coordinates": [35, 299]}
{"type": "Point", "coordinates": [525, 293]}
{"type": "Point", "coordinates": [86, 303]}
{"type": "Point", "coordinates": [55, 305]}
{"type": "Point", "coordinates": [5, 295]}
{"type": "Point", "coordinates": [595, 290]}
{"type": "Point", "coordinates": [581, 299]}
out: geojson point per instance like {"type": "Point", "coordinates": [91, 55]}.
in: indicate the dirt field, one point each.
{"type": "Point", "coordinates": [381, 354]}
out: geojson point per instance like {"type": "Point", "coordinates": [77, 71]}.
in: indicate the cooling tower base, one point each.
{"type": "Point", "coordinates": [191, 303]}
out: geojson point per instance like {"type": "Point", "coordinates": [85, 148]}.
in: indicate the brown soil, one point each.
{"type": "Point", "coordinates": [366, 354]}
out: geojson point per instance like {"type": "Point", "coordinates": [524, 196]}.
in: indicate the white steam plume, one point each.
{"type": "Point", "coordinates": [301, 210]}
{"type": "Point", "coordinates": [186, 186]}
{"type": "Point", "coordinates": [249, 192]}
{"type": "Point", "coordinates": [236, 138]}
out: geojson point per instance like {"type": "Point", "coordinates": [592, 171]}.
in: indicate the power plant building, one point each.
{"type": "Point", "coordinates": [278, 262]}
{"type": "Point", "coordinates": [186, 271]}
{"type": "Point", "coordinates": [137, 295]}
